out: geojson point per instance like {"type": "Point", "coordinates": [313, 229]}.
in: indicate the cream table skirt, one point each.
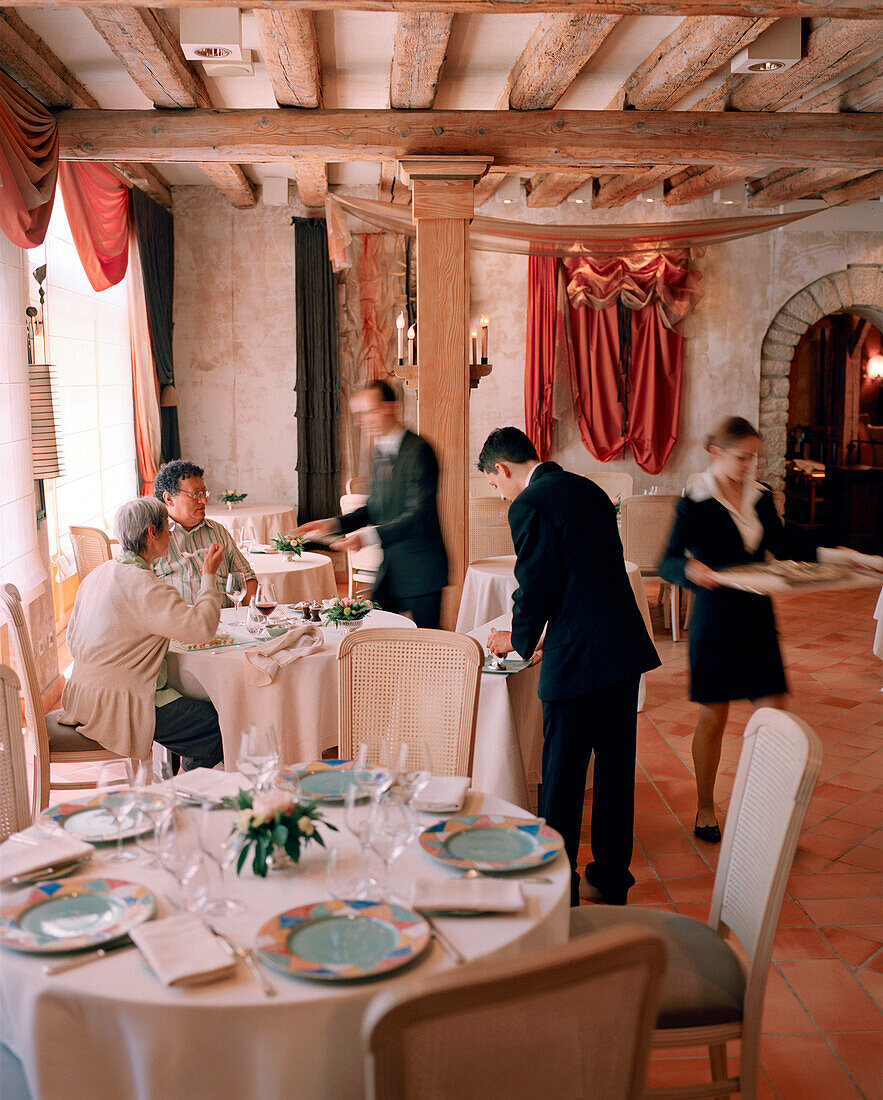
{"type": "Point", "coordinates": [488, 590]}
{"type": "Point", "coordinates": [301, 702]}
{"type": "Point", "coordinates": [267, 520]}
{"type": "Point", "coordinates": [111, 1030]}
{"type": "Point", "coordinates": [309, 577]}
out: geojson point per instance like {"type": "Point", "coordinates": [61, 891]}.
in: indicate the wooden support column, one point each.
{"type": "Point", "coordinates": [443, 207]}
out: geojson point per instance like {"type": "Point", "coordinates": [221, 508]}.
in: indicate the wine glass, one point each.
{"type": "Point", "coordinates": [118, 801]}
{"type": "Point", "coordinates": [414, 768]}
{"type": "Point", "coordinates": [181, 854]}
{"type": "Point", "coordinates": [247, 537]}
{"type": "Point", "coordinates": [259, 755]}
{"type": "Point", "coordinates": [373, 779]}
{"type": "Point", "coordinates": [339, 879]}
{"type": "Point", "coordinates": [156, 806]}
{"type": "Point", "coordinates": [221, 850]}
{"type": "Point", "coordinates": [235, 588]}
{"type": "Point", "coordinates": [265, 601]}
{"type": "Point", "coordinates": [357, 815]}
{"type": "Point", "coordinates": [392, 825]}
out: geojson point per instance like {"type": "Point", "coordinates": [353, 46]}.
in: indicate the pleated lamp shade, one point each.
{"type": "Point", "coordinates": [45, 446]}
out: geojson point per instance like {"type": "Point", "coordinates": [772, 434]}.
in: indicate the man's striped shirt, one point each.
{"type": "Point", "coordinates": [182, 567]}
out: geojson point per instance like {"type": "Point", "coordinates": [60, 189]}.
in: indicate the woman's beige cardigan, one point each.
{"type": "Point", "coordinates": [118, 634]}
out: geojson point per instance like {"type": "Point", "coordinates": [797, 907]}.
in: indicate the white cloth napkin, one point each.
{"type": "Point", "coordinates": [266, 660]}
{"type": "Point", "coordinates": [443, 794]}
{"type": "Point", "coordinates": [480, 895]}
{"type": "Point", "coordinates": [19, 855]}
{"type": "Point", "coordinates": [180, 950]}
{"type": "Point", "coordinates": [209, 783]}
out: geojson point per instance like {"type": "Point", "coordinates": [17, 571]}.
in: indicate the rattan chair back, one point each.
{"type": "Point", "coordinates": [489, 534]}
{"type": "Point", "coordinates": [91, 549]}
{"type": "Point", "coordinates": [14, 805]}
{"type": "Point", "coordinates": [646, 526]}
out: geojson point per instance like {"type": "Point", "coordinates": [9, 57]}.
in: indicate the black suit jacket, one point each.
{"type": "Point", "coordinates": [571, 575]}
{"type": "Point", "coordinates": [405, 513]}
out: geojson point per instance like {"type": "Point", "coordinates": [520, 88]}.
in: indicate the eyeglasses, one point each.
{"type": "Point", "coordinates": [200, 494]}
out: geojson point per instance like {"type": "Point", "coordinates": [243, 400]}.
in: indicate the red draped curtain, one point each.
{"type": "Point", "coordinates": [28, 165]}
{"type": "Point", "coordinates": [97, 206]}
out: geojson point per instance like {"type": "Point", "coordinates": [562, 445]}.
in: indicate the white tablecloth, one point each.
{"type": "Point", "coordinates": [111, 1029]}
{"type": "Point", "coordinates": [309, 577]}
{"type": "Point", "coordinates": [488, 589]}
{"type": "Point", "coordinates": [301, 702]}
{"type": "Point", "coordinates": [267, 520]}
{"type": "Point", "coordinates": [878, 637]}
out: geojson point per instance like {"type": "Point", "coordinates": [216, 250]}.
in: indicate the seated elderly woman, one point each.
{"type": "Point", "coordinates": [119, 631]}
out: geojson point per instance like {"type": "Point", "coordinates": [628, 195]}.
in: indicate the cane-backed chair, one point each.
{"type": "Point", "coordinates": [361, 565]}
{"type": "Point", "coordinates": [15, 811]}
{"type": "Point", "coordinates": [91, 549]}
{"type": "Point", "coordinates": [358, 486]}
{"type": "Point", "coordinates": [709, 996]}
{"type": "Point", "coordinates": [646, 526]}
{"type": "Point", "coordinates": [567, 1022]}
{"type": "Point", "coordinates": [53, 742]}
{"type": "Point", "coordinates": [489, 534]}
{"type": "Point", "coordinates": [412, 685]}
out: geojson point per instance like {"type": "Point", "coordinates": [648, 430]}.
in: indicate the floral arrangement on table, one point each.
{"type": "Point", "coordinates": [292, 546]}
{"type": "Point", "coordinates": [231, 497]}
{"type": "Point", "coordinates": [617, 504]}
{"type": "Point", "coordinates": [347, 610]}
{"type": "Point", "coordinates": [272, 822]}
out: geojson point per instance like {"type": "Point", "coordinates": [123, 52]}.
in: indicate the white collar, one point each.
{"type": "Point", "coordinates": [391, 444]}
{"type": "Point", "coordinates": [705, 487]}
{"type": "Point", "coordinates": [530, 474]}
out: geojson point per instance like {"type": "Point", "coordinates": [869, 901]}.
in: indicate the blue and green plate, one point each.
{"type": "Point", "coordinates": [491, 842]}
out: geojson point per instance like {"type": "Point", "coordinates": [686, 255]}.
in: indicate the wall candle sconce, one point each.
{"type": "Point", "coordinates": [875, 366]}
{"type": "Point", "coordinates": [412, 332]}
{"type": "Point", "coordinates": [400, 326]}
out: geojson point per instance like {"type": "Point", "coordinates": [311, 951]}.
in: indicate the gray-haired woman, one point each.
{"type": "Point", "coordinates": [118, 635]}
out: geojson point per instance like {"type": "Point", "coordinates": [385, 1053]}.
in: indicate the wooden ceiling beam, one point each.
{"type": "Point", "coordinates": [312, 181]}
{"type": "Point", "coordinates": [421, 45]}
{"type": "Point", "coordinates": [392, 189]}
{"type": "Point", "coordinates": [543, 140]}
{"type": "Point", "coordinates": [555, 55]}
{"type": "Point", "coordinates": [863, 91]}
{"type": "Point", "coordinates": [842, 9]}
{"type": "Point", "coordinates": [619, 189]}
{"type": "Point", "coordinates": [701, 184]}
{"type": "Point", "coordinates": [551, 188]}
{"type": "Point", "coordinates": [692, 53]}
{"type": "Point", "coordinates": [788, 185]}
{"type": "Point", "coordinates": [868, 187]}
{"type": "Point", "coordinates": [146, 178]}
{"type": "Point", "coordinates": [232, 182]}
{"type": "Point", "coordinates": [487, 185]}
{"type": "Point", "coordinates": [290, 50]}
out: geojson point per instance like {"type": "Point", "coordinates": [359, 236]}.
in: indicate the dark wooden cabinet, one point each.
{"type": "Point", "coordinates": [854, 508]}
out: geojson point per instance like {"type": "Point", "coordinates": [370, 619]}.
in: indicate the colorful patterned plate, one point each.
{"type": "Point", "coordinates": [322, 781]}
{"type": "Point", "coordinates": [68, 916]}
{"type": "Point", "coordinates": [88, 821]}
{"type": "Point", "coordinates": [342, 941]}
{"type": "Point", "coordinates": [490, 842]}
{"type": "Point", "coordinates": [509, 666]}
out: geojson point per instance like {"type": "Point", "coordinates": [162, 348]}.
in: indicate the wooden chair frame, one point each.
{"type": "Point", "coordinates": [15, 812]}
{"type": "Point", "coordinates": [91, 548]}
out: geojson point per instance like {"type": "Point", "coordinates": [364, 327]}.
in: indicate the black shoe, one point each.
{"type": "Point", "coordinates": [711, 834]}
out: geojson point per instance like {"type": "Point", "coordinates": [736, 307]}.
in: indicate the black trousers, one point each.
{"type": "Point", "coordinates": [424, 610]}
{"type": "Point", "coordinates": [603, 722]}
{"type": "Point", "coordinates": [189, 727]}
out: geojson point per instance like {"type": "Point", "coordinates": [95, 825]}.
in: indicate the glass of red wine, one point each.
{"type": "Point", "coordinates": [265, 601]}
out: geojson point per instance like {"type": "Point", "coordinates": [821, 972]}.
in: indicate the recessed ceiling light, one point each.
{"type": "Point", "coordinates": [579, 202]}
{"type": "Point", "coordinates": [582, 194]}
{"type": "Point", "coordinates": [779, 47]}
{"type": "Point", "coordinates": [766, 66]}
{"type": "Point", "coordinates": [212, 51]}
{"type": "Point", "coordinates": [509, 190]}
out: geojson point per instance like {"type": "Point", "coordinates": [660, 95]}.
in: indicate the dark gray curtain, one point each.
{"type": "Point", "coordinates": [154, 229]}
{"type": "Point", "coordinates": [317, 386]}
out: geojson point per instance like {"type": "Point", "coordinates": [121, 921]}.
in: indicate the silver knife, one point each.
{"type": "Point", "coordinates": [83, 960]}
{"type": "Point", "coordinates": [443, 940]}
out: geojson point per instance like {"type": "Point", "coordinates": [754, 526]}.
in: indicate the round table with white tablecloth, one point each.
{"type": "Point", "coordinates": [266, 520]}
{"type": "Point", "coordinates": [488, 589]}
{"type": "Point", "coordinates": [301, 700]}
{"type": "Point", "coordinates": [110, 1029]}
{"type": "Point", "coordinates": [309, 577]}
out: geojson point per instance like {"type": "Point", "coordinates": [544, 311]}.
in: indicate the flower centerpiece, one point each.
{"type": "Point", "coordinates": [231, 497]}
{"type": "Point", "coordinates": [347, 612]}
{"type": "Point", "coordinates": [275, 826]}
{"type": "Point", "coordinates": [290, 546]}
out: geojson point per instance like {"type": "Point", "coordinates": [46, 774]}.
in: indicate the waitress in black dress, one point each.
{"type": "Point", "coordinates": [728, 518]}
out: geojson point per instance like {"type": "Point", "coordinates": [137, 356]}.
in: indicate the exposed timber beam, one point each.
{"type": "Point", "coordinates": [557, 52]}
{"type": "Point", "coordinates": [536, 140]}
{"type": "Point", "coordinates": [869, 187]}
{"type": "Point", "coordinates": [232, 182]}
{"type": "Point", "coordinates": [26, 58]}
{"type": "Point", "coordinates": [552, 188]}
{"type": "Point", "coordinates": [290, 50]}
{"type": "Point", "coordinates": [692, 53]}
{"type": "Point", "coordinates": [151, 55]}
{"type": "Point", "coordinates": [312, 181]}
{"type": "Point", "coordinates": [392, 189]}
{"type": "Point", "coordinates": [488, 185]}
{"type": "Point", "coordinates": [842, 9]}
{"type": "Point", "coordinates": [619, 189]}
{"type": "Point", "coordinates": [863, 91]}
{"type": "Point", "coordinates": [700, 184]}
{"type": "Point", "coordinates": [787, 185]}
{"type": "Point", "coordinates": [421, 45]}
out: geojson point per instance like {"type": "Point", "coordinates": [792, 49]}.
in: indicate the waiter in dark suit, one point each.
{"type": "Point", "coordinates": [401, 513]}
{"type": "Point", "coordinates": [572, 581]}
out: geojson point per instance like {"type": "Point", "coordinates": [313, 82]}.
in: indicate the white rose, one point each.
{"type": "Point", "coordinates": [244, 820]}
{"type": "Point", "coordinates": [306, 826]}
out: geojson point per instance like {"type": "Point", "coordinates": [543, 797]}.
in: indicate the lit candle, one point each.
{"type": "Point", "coordinates": [474, 346]}
{"type": "Point", "coordinates": [400, 325]}
{"type": "Point", "coordinates": [412, 332]}
{"type": "Point", "coordinates": [484, 327]}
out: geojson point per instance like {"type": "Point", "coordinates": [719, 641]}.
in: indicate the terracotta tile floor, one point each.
{"type": "Point", "coordinates": [823, 1018]}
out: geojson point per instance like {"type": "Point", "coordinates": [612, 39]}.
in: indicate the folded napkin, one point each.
{"type": "Point", "coordinates": [479, 895]}
{"type": "Point", "coordinates": [20, 856]}
{"type": "Point", "coordinates": [209, 783]}
{"type": "Point", "coordinates": [180, 950]}
{"type": "Point", "coordinates": [266, 659]}
{"type": "Point", "coordinates": [262, 548]}
{"type": "Point", "coordinates": [443, 794]}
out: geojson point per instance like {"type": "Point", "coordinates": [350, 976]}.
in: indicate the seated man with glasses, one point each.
{"type": "Point", "coordinates": [180, 486]}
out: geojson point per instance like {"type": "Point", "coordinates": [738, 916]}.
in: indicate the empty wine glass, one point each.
{"type": "Point", "coordinates": [341, 878]}
{"type": "Point", "coordinates": [222, 848]}
{"type": "Point", "coordinates": [259, 755]}
{"type": "Point", "coordinates": [392, 825]}
{"type": "Point", "coordinates": [118, 801]}
{"type": "Point", "coordinates": [156, 805]}
{"type": "Point", "coordinates": [181, 854]}
{"type": "Point", "coordinates": [413, 768]}
{"type": "Point", "coordinates": [373, 778]}
{"type": "Point", "coordinates": [235, 588]}
{"type": "Point", "coordinates": [357, 815]}
{"type": "Point", "coordinates": [247, 537]}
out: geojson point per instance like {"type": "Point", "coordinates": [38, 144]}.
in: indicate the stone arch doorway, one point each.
{"type": "Point", "coordinates": [859, 290]}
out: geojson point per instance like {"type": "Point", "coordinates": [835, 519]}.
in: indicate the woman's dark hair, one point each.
{"type": "Point", "coordinates": [506, 445]}
{"type": "Point", "coordinates": [168, 477]}
{"type": "Point", "coordinates": [729, 431]}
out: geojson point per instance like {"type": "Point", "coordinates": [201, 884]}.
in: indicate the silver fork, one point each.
{"type": "Point", "coordinates": [247, 956]}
